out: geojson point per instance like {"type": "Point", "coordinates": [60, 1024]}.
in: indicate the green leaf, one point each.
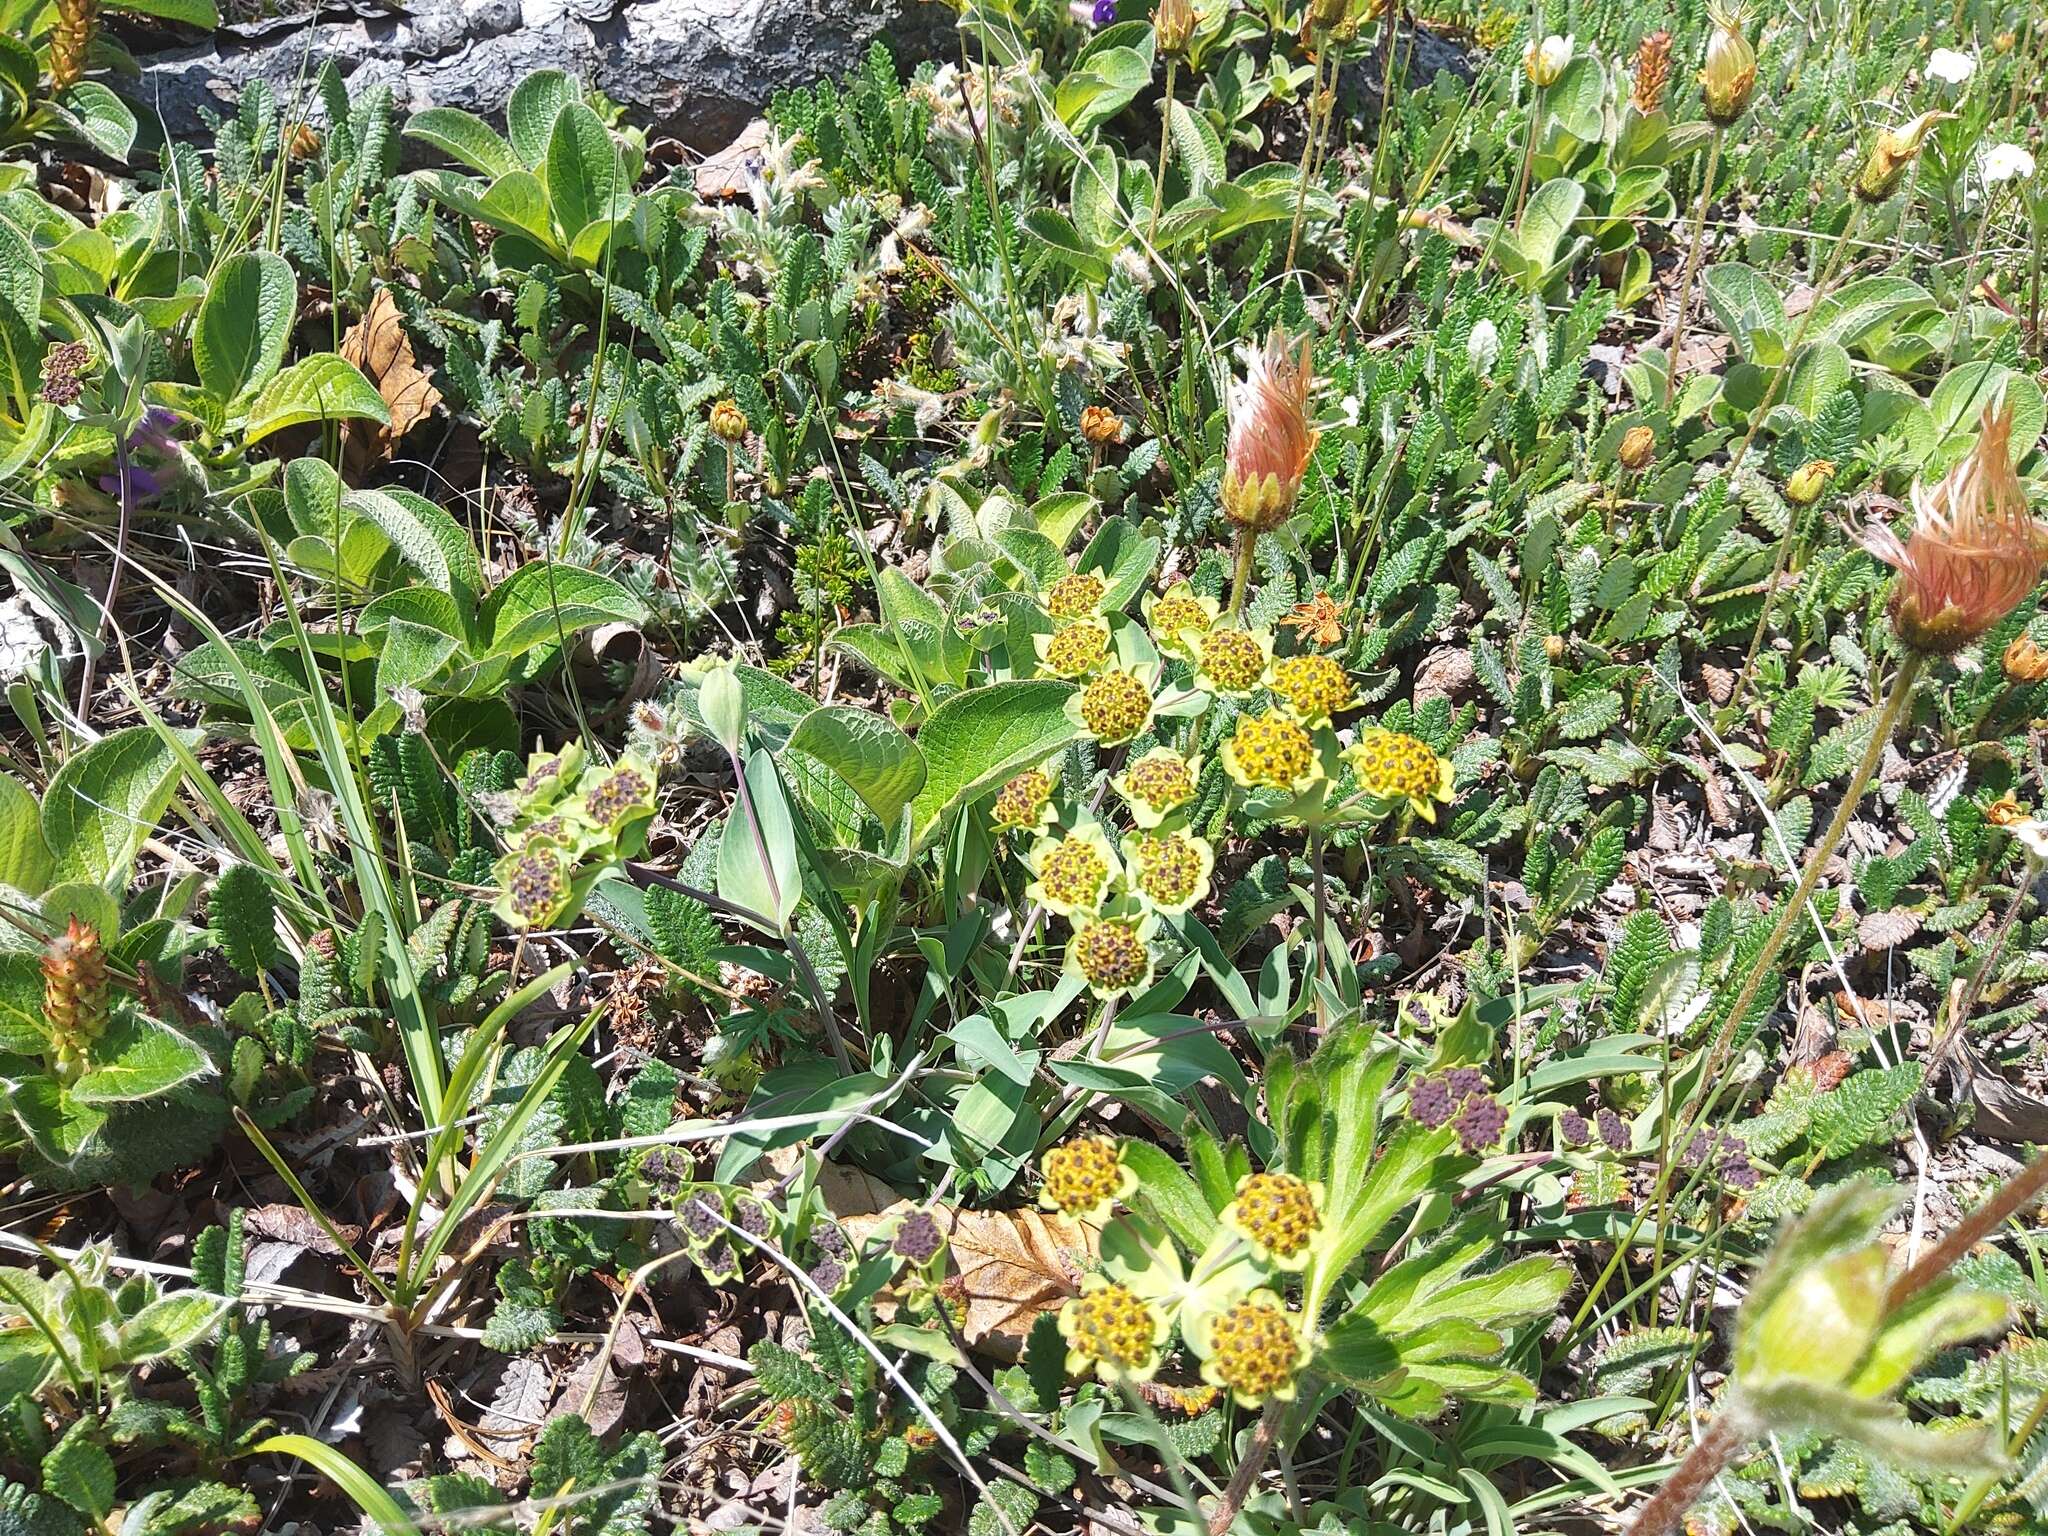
{"type": "Point", "coordinates": [137, 1058]}
{"type": "Point", "coordinates": [57, 1124]}
{"type": "Point", "coordinates": [878, 762]}
{"type": "Point", "coordinates": [1171, 1194]}
{"type": "Point", "coordinates": [103, 118]}
{"type": "Point", "coordinates": [1197, 151]}
{"type": "Point", "coordinates": [243, 324]}
{"type": "Point", "coordinates": [582, 172]}
{"type": "Point", "coordinates": [463, 136]}
{"type": "Point", "coordinates": [323, 387]}
{"type": "Point", "coordinates": [105, 801]}
{"type": "Point", "coordinates": [364, 1491]}
{"type": "Point", "coordinates": [1748, 308]}
{"type": "Point", "coordinates": [757, 865]}
{"type": "Point", "coordinates": [978, 739]}
{"type": "Point", "coordinates": [169, 1323]}
{"type": "Point", "coordinates": [80, 1472]}
{"type": "Point", "coordinates": [428, 539]}
{"type": "Point", "coordinates": [26, 862]}
{"type": "Point", "coordinates": [530, 115]}
{"type": "Point", "coordinates": [544, 602]}
{"type": "Point", "coordinates": [1067, 245]}
{"type": "Point", "coordinates": [190, 13]}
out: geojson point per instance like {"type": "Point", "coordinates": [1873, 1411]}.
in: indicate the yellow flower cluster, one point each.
{"type": "Point", "coordinates": [1077, 595]}
{"type": "Point", "coordinates": [1112, 954]}
{"type": "Point", "coordinates": [1391, 765]}
{"type": "Point", "coordinates": [1270, 751]}
{"type": "Point", "coordinates": [1254, 1350]}
{"type": "Point", "coordinates": [1113, 1326]}
{"type": "Point", "coordinates": [1023, 802]}
{"type": "Point", "coordinates": [1082, 1177]}
{"type": "Point", "coordinates": [1278, 1213]}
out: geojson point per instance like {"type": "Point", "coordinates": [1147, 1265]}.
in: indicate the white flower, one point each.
{"type": "Point", "coordinates": [2033, 835]}
{"type": "Point", "coordinates": [1950, 67]}
{"type": "Point", "coordinates": [1546, 60]}
{"type": "Point", "coordinates": [1483, 345]}
{"type": "Point", "coordinates": [2007, 162]}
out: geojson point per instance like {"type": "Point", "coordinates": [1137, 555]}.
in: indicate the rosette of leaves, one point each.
{"type": "Point", "coordinates": [84, 1326]}
{"type": "Point", "coordinates": [97, 1089]}
{"type": "Point", "coordinates": [1428, 1329]}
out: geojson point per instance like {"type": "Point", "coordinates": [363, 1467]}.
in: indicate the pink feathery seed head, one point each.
{"type": "Point", "coordinates": [1975, 551]}
{"type": "Point", "coordinates": [1270, 435]}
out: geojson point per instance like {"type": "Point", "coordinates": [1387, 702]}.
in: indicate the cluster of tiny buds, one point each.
{"type": "Point", "coordinates": [1578, 1131]}
{"type": "Point", "coordinates": [918, 1238]}
{"type": "Point", "coordinates": [834, 1252]}
{"type": "Point", "coordinates": [1729, 1157]}
{"type": "Point", "coordinates": [1460, 1099]}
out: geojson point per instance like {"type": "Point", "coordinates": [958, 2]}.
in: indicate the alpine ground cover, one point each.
{"type": "Point", "coordinates": [1236, 768]}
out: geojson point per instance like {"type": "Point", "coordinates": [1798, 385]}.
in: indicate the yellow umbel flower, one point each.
{"type": "Point", "coordinates": [1113, 1331]}
{"type": "Point", "coordinates": [1112, 954]}
{"type": "Point", "coordinates": [1157, 784]}
{"type": "Point", "coordinates": [1024, 803]}
{"type": "Point", "coordinates": [1394, 766]}
{"type": "Point", "coordinates": [1168, 871]}
{"type": "Point", "coordinates": [1233, 662]}
{"type": "Point", "coordinates": [1311, 688]}
{"type": "Point", "coordinates": [1075, 649]}
{"type": "Point", "coordinates": [1253, 1350]}
{"type": "Point", "coordinates": [1114, 706]}
{"type": "Point", "coordinates": [1084, 1177]}
{"type": "Point", "coordinates": [1171, 616]}
{"type": "Point", "coordinates": [1076, 595]}
{"type": "Point", "coordinates": [1278, 1214]}
{"type": "Point", "coordinates": [1073, 872]}
{"type": "Point", "coordinates": [1270, 751]}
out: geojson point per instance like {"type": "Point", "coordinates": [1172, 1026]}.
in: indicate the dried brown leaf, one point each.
{"type": "Point", "coordinates": [1885, 930]}
{"type": "Point", "coordinates": [379, 346]}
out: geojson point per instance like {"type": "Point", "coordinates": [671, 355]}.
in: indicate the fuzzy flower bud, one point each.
{"type": "Point", "coordinates": [1100, 425]}
{"type": "Point", "coordinates": [1974, 553]}
{"type": "Point", "coordinates": [728, 421]}
{"type": "Point", "coordinates": [1270, 435]}
{"type": "Point", "coordinates": [1173, 24]}
{"type": "Point", "coordinates": [1808, 481]}
{"type": "Point", "coordinates": [2024, 661]}
{"type": "Point", "coordinates": [1638, 447]}
{"type": "Point", "coordinates": [1896, 149]}
{"type": "Point", "coordinates": [1728, 78]}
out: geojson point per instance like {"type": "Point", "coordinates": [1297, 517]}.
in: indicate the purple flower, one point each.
{"type": "Point", "coordinates": [1575, 1128]}
{"type": "Point", "coordinates": [1105, 12]}
{"type": "Point", "coordinates": [154, 430]}
{"type": "Point", "coordinates": [142, 485]}
{"type": "Point", "coordinates": [1480, 1123]}
{"type": "Point", "coordinates": [1612, 1130]}
{"type": "Point", "coordinates": [1428, 1102]}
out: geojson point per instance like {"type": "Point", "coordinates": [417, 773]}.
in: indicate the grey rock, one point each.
{"type": "Point", "coordinates": [694, 69]}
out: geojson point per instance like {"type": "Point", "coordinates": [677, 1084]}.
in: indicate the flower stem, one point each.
{"type": "Point", "coordinates": [1165, 140]}
{"type": "Point", "coordinates": [1692, 264]}
{"type": "Point", "coordinates": [1821, 290]}
{"type": "Point", "coordinates": [1315, 97]}
{"type": "Point", "coordinates": [1256, 1450]}
{"type": "Point", "coordinates": [1831, 839]}
{"type": "Point", "coordinates": [1247, 542]}
{"type": "Point", "coordinates": [1707, 1460]}
{"type": "Point", "coordinates": [1528, 171]}
{"type": "Point", "coordinates": [2017, 1192]}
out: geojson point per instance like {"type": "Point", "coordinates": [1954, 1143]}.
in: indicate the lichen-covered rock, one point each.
{"type": "Point", "coordinates": [694, 69]}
